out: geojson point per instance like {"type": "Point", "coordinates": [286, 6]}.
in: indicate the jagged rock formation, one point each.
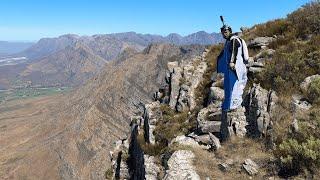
{"type": "Point", "coordinates": [183, 79]}
{"type": "Point", "coordinates": [253, 119]}
{"type": "Point", "coordinates": [261, 104]}
{"type": "Point", "coordinates": [213, 125]}
{"type": "Point", "coordinates": [192, 72]}
{"type": "Point", "coordinates": [150, 116]}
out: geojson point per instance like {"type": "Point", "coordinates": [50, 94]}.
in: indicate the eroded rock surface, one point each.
{"type": "Point", "coordinates": [181, 167]}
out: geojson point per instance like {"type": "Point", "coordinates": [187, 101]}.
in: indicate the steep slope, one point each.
{"type": "Point", "coordinates": [70, 66]}
{"type": "Point", "coordinates": [73, 136]}
{"type": "Point", "coordinates": [47, 46]}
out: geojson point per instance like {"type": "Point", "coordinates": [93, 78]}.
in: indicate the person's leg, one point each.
{"type": "Point", "coordinates": [224, 131]}
{"type": "Point", "coordinates": [227, 92]}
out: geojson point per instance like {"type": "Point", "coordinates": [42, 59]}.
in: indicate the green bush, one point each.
{"type": "Point", "coordinates": [290, 65]}
{"type": "Point", "coordinates": [299, 24]}
{"type": "Point", "coordinates": [299, 151]}
{"type": "Point", "coordinates": [109, 174]}
{"type": "Point", "coordinates": [171, 125]}
{"type": "Point", "coordinates": [299, 155]}
{"type": "Point", "coordinates": [305, 21]}
{"type": "Point", "coordinates": [276, 27]}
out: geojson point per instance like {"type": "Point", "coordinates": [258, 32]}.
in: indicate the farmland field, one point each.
{"type": "Point", "coordinates": [24, 93]}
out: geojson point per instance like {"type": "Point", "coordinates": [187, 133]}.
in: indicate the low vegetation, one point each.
{"type": "Point", "coordinates": [297, 56]}
{"type": "Point", "coordinates": [290, 65]}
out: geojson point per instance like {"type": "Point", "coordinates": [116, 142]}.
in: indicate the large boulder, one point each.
{"type": "Point", "coordinates": [180, 166]}
{"type": "Point", "coordinates": [300, 106]}
{"type": "Point", "coordinates": [260, 42]}
{"type": "Point", "coordinates": [209, 119]}
{"type": "Point", "coordinates": [266, 53]}
{"type": "Point", "coordinates": [306, 83]}
{"type": "Point", "coordinates": [261, 105]}
{"type": "Point", "coordinates": [206, 139]}
{"type": "Point", "coordinates": [187, 141]}
{"type": "Point", "coordinates": [250, 166]}
{"type": "Point", "coordinates": [210, 126]}
{"type": "Point", "coordinates": [238, 122]}
{"type": "Point", "coordinates": [216, 94]}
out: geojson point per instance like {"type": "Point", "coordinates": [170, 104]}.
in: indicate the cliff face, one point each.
{"type": "Point", "coordinates": [182, 123]}
{"type": "Point", "coordinates": [73, 136]}
{"type": "Point", "coordinates": [102, 108]}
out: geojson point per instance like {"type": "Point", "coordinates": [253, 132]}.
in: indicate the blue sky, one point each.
{"type": "Point", "coordinates": [22, 20]}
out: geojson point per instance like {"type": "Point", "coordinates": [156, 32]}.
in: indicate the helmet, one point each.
{"type": "Point", "coordinates": [226, 27]}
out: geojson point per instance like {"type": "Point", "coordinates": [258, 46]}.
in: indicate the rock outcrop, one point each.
{"type": "Point", "coordinates": [182, 79]}
{"type": "Point", "coordinates": [250, 166]}
{"type": "Point", "coordinates": [180, 97]}
{"type": "Point", "coordinates": [254, 118]}
{"type": "Point", "coordinates": [150, 116]}
{"type": "Point", "coordinates": [152, 169]}
{"type": "Point", "coordinates": [180, 166]}
{"type": "Point", "coordinates": [300, 106]}
{"type": "Point", "coordinates": [260, 106]}
{"type": "Point", "coordinates": [260, 42]}
{"type": "Point", "coordinates": [306, 83]}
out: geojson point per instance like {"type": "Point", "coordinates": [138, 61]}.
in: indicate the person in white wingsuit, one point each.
{"type": "Point", "coordinates": [232, 64]}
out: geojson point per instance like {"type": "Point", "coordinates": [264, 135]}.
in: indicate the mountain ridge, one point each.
{"type": "Point", "coordinates": [45, 54]}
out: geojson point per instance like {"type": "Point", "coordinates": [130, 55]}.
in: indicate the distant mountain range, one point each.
{"type": "Point", "coordinates": [69, 60]}
{"type": "Point", "coordinates": [13, 47]}
{"type": "Point", "coordinates": [109, 46]}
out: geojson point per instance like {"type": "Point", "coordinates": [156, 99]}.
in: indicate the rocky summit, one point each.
{"type": "Point", "coordinates": [155, 113]}
{"type": "Point", "coordinates": [188, 136]}
{"type": "Point", "coordinates": [179, 96]}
